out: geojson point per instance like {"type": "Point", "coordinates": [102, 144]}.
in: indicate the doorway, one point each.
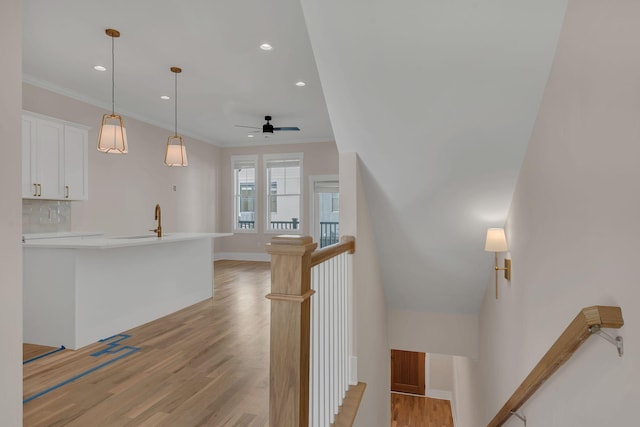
{"type": "Point", "coordinates": [325, 209]}
{"type": "Point", "coordinates": [407, 372]}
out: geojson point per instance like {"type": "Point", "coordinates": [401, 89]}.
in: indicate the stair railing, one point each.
{"type": "Point", "coordinates": [589, 321]}
{"type": "Point", "coordinates": [309, 358]}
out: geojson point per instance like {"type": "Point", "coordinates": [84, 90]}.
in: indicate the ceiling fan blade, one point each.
{"type": "Point", "coordinates": [250, 127]}
{"type": "Point", "coordinates": [287, 128]}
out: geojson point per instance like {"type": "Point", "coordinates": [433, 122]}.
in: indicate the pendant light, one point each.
{"type": "Point", "coordinates": [113, 135]}
{"type": "Point", "coordinates": [176, 154]}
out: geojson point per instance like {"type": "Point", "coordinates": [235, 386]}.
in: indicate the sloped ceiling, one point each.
{"type": "Point", "coordinates": [438, 98]}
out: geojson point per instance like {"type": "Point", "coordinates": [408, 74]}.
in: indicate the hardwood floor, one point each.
{"type": "Point", "coordinates": [206, 365]}
{"type": "Point", "coordinates": [30, 351]}
{"type": "Point", "coordinates": [418, 411]}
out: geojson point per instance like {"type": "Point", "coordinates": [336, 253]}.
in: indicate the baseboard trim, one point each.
{"type": "Point", "coordinates": [242, 256]}
{"type": "Point", "coordinates": [434, 393]}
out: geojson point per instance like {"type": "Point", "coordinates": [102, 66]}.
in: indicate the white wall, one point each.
{"type": "Point", "coordinates": [465, 400]}
{"type": "Point", "coordinates": [10, 226]}
{"type": "Point", "coordinates": [319, 158]}
{"type": "Point", "coordinates": [440, 372]}
{"type": "Point", "coordinates": [124, 189]}
{"type": "Point", "coordinates": [444, 333]}
{"type": "Point", "coordinates": [574, 230]}
{"type": "Point", "coordinates": [370, 320]}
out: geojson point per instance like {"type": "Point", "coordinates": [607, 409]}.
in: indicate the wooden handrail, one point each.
{"type": "Point", "coordinates": [561, 351]}
{"type": "Point", "coordinates": [346, 244]}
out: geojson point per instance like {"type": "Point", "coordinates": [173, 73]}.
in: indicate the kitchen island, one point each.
{"type": "Point", "coordinates": [78, 290]}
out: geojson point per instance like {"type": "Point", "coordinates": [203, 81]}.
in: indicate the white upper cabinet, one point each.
{"type": "Point", "coordinates": [75, 163]}
{"type": "Point", "coordinates": [54, 159]}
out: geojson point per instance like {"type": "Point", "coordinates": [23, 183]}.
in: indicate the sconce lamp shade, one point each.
{"type": "Point", "coordinates": [176, 154]}
{"type": "Point", "coordinates": [496, 240]}
{"type": "Point", "coordinates": [113, 135]}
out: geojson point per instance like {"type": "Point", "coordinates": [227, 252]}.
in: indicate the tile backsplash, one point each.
{"type": "Point", "coordinates": [45, 216]}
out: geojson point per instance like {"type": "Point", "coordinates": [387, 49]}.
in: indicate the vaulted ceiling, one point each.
{"type": "Point", "coordinates": [437, 97]}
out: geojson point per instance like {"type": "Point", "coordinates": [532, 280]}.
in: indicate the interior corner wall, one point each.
{"type": "Point", "coordinates": [440, 372]}
{"type": "Point", "coordinates": [124, 189]}
{"type": "Point", "coordinates": [573, 230]}
{"type": "Point", "coordinates": [370, 320]}
{"type": "Point", "coordinates": [465, 401]}
{"type": "Point", "coordinates": [443, 333]}
{"type": "Point", "coordinates": [10, 226]}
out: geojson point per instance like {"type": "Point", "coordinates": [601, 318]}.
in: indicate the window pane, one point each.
{"type": "Point", "coordinates": [287, 217]}
{"type": "Point", "coordinates": [244, 191]}
{"type": "Point", "coordinates": [283, 193]}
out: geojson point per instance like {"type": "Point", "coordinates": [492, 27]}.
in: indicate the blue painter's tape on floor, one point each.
{"type": "Point", "coordinates": [112, 348]}
{"type": "Point", "coordinates": [33, 359]}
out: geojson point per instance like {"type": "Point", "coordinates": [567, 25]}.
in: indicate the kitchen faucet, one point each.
{"type": "Point", "coordinates": [159, 219]}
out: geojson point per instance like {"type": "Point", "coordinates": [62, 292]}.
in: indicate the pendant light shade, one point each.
{"type": "Point", "coordinates": [113, 135]}
{"type": "Point", "coordinates": [176, 153]}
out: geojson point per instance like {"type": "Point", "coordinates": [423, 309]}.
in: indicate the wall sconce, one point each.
{"type": "Point", "coordinates": [497, 242]}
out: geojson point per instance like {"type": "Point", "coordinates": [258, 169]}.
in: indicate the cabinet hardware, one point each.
{"type": "Point", "coordinates": [35, 190]}
{"type": "Point", "coordinates": [66, 191]}
{"type": "Point", "coordinates": [39, 190]}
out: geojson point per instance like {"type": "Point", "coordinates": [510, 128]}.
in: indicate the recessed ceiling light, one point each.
{"type": "Point", "coordinates": [250, 136]}
{"type": "Point", "coordinates": [266, 46]}
{"type": "Point", "coordinates": [165, 97]}
{"type": "Point", "coordinates": [300, 84]}
{"type": "Point", "coordinates": [99, 68]}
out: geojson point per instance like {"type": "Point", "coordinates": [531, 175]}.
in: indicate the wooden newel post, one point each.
{"type": "Point", "coordinates": [290, 328]}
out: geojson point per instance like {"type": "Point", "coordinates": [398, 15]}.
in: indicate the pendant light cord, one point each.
{"type": "Point", "coordinates": [175, 109]}
{"type": "Point", "coordinates": [113, 80]}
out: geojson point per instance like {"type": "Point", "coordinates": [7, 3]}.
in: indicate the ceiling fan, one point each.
{"type": "Point", "coordinates": [268, 127]}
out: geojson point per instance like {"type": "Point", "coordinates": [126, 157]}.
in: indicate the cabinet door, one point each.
{"type": "Point", "coordinates": [29, 177]}
{"type": "Point", "coordinates": [75, 163]}
{"type": "Point", "coordinates": [48, 153]}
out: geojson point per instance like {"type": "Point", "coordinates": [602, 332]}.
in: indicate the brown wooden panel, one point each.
{"type": "Point", "coordinates": [407, 371]}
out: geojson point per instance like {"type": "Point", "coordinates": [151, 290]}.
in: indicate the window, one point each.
{"type": "Point", "coordinates": [274, 200]}
{"type": "Point", "coordinates": [335, 202]}
{"type": "Point", "coordinates": [244, 192]}
{"type": "Point", "coordinates": [326, 210]}
{"type": "Point", "coordinates": [284, 182]}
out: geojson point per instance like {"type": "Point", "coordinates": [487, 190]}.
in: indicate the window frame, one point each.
{"type": "Point", "coordinates": [266, 159]}
{"type": "Point", "coordinates": [235, 159]}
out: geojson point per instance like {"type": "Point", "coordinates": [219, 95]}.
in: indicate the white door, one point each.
{"type": "Point", "coordinates": [326, 210]}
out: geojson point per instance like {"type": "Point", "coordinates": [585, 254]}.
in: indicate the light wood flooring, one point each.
{"type": "Point", "coordinates": [206, 365]}
{"type": "Point", "coordinates": [418, 411]}
{"type": "Point", "coordinates": [33, 350]}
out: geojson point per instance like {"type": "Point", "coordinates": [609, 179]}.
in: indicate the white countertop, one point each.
{"type": "Point", "coordinates": [30, 236]}
{"type": "Point", "coordinates": [106, 242]}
